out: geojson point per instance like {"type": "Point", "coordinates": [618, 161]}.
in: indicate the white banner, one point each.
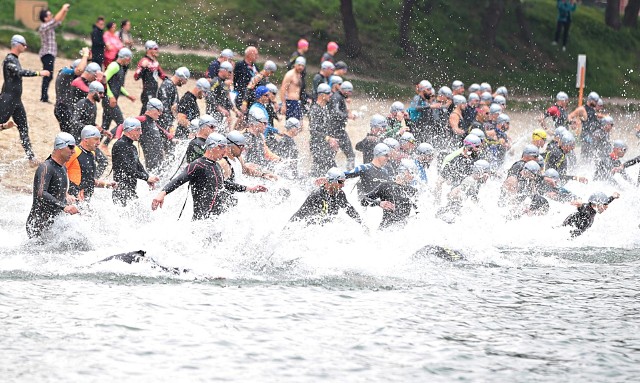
{"type": "Point", "coordinates": [582, 70]}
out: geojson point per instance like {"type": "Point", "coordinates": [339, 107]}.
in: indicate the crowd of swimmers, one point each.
{"type": "Point", "coordinates": [462, 131]}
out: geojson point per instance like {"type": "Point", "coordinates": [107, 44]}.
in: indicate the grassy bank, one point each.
{"type": "Point", "coordinates": [447, 38]}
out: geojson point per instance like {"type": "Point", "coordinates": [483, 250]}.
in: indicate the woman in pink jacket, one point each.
{"type": "Point", "coordinates": [112, 43]}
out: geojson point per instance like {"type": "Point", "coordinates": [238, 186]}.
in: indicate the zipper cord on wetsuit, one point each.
{"type": "Point", "coordinates": [185, 202]}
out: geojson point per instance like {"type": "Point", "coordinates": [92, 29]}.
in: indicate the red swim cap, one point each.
{"type": "Point", "coordinates": [332, 46]}
{"type": "Point", "coordinates": [302, 43]}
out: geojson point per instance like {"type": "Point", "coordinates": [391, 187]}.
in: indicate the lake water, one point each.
{"type": "Point", "coordinates": [266, 302]}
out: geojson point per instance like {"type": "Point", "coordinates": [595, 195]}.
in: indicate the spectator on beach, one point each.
{"type": "Point", "coordinates": [97, 41]}
{"type": "Point", "coordinates": [124, 34]}
{"type": "Point", "coordinates": [112, 44]}
{"type": "Point", "coordinates": [49, 48]}
{"type": "Point", "coordinates": [565, 8]}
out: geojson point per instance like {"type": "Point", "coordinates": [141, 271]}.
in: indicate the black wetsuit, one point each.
{"type": "Point", "coordinates": [319, 128]}
{"type": "Point", "coordinates": [50, 185]}
{"type": "Point", "coordinates": [287, 149]}
{"type": "Point", "coordinates": [320, 207]}
{"type": "Point", "coordinates": [469, 117]}
{"type": "Point", "coordinates": [188, 105]}
{"type": "Point", "coordinates": [78, 94]}
{"type": "Point", "coordinates": [255, 147]}
{"type": "Point", "coordinates": [603, 170]}
{"type": "Point", "coordinates": [242, 75]}
{"type": "Point", "coordinates": [561, 194]}
{"type": "Point", "coordinates": [11, 99]}
{"type": "Point", "coordinates": [84, 113]}
{"type": "Point", "coordinates": [421, 122]}
{"type": "Point", "coordinates": [441, 131]}
{"type": "Point", "coordinates": [150, 76]}
{"type": "Point", "coordinates": [63, 109]}
{"type": "Point", "coordinates": [400, 195]}
{"type": "Point", "coordinates": [583, 218]}
{"type": "Point", "coordinates": [588, 128]}
{"type": "Point", "coordinates": [366, 147]}
{"type": "Point", "coordinates": [370, 177]}
{"type": "Point", "coordinates": [151, 143]}
{"type": "Point", "coordinates": [195, 149]}
{"type": "Point", "coordinates": [556, 158]}
{"type": "Point", "coordinates": [127, 169]}
{"type": "Point", "coordinates": [218, 96]}
{"type": "Point", "coordinates": [207, 187]}
{"type": "Point", "coordinates": [458, 168]}
{"type": "Point", "coordinates": [632, 162]}
{"type": "Point", "coordinates": [600, 143]}
{"type": "Point", "coordinates": [168, 95]}
{"type": "Point", "coordinates": [339, 115]}
{"type": "Point", "coordinates": [317, 80]}
{"type": "Point", "coordinates": [214, 68]}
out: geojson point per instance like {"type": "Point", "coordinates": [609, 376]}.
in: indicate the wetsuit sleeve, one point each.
{"type": "Point", "coordinates": [234, 187]}
{"type": "Point", "coordinates": [372, 199]}
{"type": "Point", "coordinates": [14, 69]}
{"type": "Point", "coordinates": [132, 166]}
{"type": "Point", "coordinates": [139, 68]}
{"type": "Point", "coordinates": [338, 109]}
{"type": "Point", "coordinates": [41, 185]}
{"type": "Point", "coordinates": [631, 162]}
{"type": "Point", "coordinates": [356, 172]}
{"type": "Point", "coordinates": [112, 69]}
{"type": "Point", "coordinates": [78, 83]}
{"type": "Point", "coordinates": [179, 180]}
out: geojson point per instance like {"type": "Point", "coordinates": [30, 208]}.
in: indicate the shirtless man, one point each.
{"type": "Point", "coordinates": [290, 91]}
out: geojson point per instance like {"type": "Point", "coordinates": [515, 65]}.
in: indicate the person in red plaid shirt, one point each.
{"type": "Point", "coordinates": [49, 48]}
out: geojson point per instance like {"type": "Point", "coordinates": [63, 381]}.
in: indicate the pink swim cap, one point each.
{"type": "Point", "coordinates": [332, 46]}
{"type": "Point", "coordinates": [302, 43]}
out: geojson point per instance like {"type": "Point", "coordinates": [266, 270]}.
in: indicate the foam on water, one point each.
{"type": "Point", "coordinates": [254, 241]}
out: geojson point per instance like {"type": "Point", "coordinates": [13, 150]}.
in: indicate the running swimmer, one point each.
{"type": "Point", "coordinates": [586, 214]}
{"type": "Point", "coordinates": [127, 168]}
{"type": "Point", "coordinates": [206, 181]}
{"type": "Point", "coordinates": [468, 189]}
{"type": "Point", "coordinates": [114, 75]}
{"type": "Point", "coordinates": [339, 114]}
{"type": "Point", "coordinates": [150, 71]}
{"type": "Point", "coordinates": [50, 185]}
{"type": "Point", "coordinates": [322, 145]}
{"type": "Point", "coordinates": [196, 148]}
{"type": "Point", "coordinates": [324, 203]}
{"type": "Point", "coordinates": [377, 125]}
{"type": "Point", "coordinates": [151, 140]}
{"type": "Point", "coordinates": [168, 95]}
{"type": "Point", "coordinates": [11, 96]}
{"type": "Point", "coordinates": [374, 173]}
{"type": "Point", "coordinates": [396, 198]}
{"type": "Point", "coordinates": [81, 167]}
{"type": "Point", "coordinates": [188, 109]}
